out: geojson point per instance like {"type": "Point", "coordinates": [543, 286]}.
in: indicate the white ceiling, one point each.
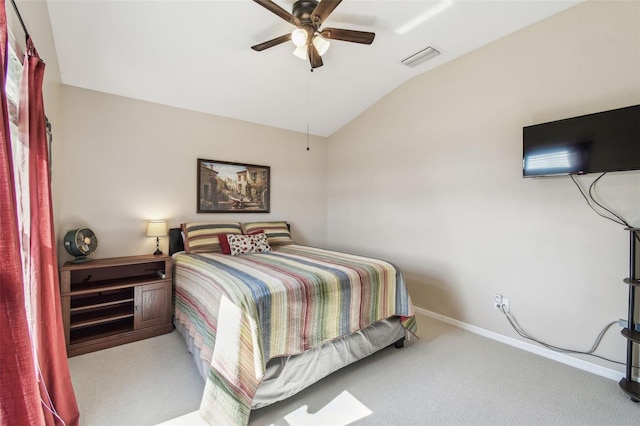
{"type": "Point", "coordinates": [196, 54]}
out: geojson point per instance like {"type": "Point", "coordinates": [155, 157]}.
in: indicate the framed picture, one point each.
{"type": "Point", "coordinates": [225, 187]}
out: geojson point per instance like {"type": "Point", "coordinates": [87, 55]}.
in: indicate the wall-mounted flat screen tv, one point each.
{"type": "Point", "coordinates": [607, 141]}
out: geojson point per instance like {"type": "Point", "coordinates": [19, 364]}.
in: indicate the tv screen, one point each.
{"type": "Point", "coordinates": [606, 141]}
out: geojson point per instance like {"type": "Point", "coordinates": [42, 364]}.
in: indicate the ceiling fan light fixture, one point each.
{"type": "Point", "coordinates": [301, 52]}
{"type": "Point", "coordinates": [299, 37]}
{"type": "Point", "coordinates": [310, 39]}
{"type": "Point", "coordinates": [321, 44]}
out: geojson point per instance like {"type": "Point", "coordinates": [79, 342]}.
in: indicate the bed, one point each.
{"type": "Point", "coordinates": [264, 317]}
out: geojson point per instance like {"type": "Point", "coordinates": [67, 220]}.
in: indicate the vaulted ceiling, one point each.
{"type": "Point", "coordinates": [196, 54]}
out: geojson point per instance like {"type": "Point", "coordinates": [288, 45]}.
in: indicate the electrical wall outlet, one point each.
{"type": "Point", "coordinates": [500, 302]}
{"type": "Point", "coordinates": [505, 304]}
{"type": "Point", "coordinates": [497, 300]}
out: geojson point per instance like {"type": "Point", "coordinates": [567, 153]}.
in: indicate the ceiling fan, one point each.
{"type": "Point", "coordinates": [311, 42]}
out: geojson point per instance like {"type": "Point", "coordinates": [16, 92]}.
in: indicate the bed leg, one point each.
{"type": "Point", "coordinates": [399, 343]}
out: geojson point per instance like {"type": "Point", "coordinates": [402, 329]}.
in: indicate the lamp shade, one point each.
{"type": "Point", "coordinates": [321, 44]}
{"type": "Point", "coordinates": [299, 37]}
{"type": "Point", "coordinates": [156, 228]}
{"type": "Point", "coordinates": [301, 52]}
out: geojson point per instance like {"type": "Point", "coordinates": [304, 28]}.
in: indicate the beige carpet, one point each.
{"type": "Point", "coordinates": [448, 377]}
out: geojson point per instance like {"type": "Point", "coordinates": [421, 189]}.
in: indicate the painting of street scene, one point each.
{"type": "Point", "coordinates": [232, 187]}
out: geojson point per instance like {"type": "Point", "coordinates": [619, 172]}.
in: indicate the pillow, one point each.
{"type": "Point", "coordinates": [277, 232]}
{"type": "Point", "coordinates": [243, 244]}
{"type": "Point", "coordinates": [202, 237]}
{"type": "Point", "coordinates": [224, 241]}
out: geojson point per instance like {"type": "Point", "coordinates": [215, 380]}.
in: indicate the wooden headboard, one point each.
{"type": "Point", "coordinates": [176, 243]}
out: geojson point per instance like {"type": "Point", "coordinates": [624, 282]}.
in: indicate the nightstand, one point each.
{"type": "Point", "coordinates": [109, 302]}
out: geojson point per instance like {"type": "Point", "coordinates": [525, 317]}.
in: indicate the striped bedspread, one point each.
{"type": "Point", "coordinates": [244, 310]}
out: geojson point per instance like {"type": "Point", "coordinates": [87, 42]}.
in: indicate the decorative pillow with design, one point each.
{"type": "Point", "coordinates": [243, 244]}
{"type": "Point", "coordinates": [224, 241]}
{"type": "Point", "coordinates": [202, 237]}
{"type": "Point", "coordinates": [277, 231]}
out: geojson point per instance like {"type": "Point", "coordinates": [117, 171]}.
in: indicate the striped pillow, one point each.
{"type": "Point", "coordinates": [202, 237]}
{"type": "Point", "coordinates": [277, 232]}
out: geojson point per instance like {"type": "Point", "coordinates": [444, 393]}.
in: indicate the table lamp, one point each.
{"type": "Point", "coordinates": [157, 228]}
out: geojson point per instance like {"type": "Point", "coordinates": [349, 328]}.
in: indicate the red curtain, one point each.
{"type": "Point", "coordinates": [55, 385]}
{"type": "Point", "coordinates": [19, 394]}
{"type": "Point", "coordinates": [55, 399]}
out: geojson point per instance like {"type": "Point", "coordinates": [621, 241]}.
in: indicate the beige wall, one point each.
{"type": "Point", "coordinates": [127, 161]}
{"type": "Point", "coordinates": [430, 178]}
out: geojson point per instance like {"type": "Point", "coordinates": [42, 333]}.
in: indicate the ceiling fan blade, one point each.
{"type": "Point", "coordinates": [314, 58]}
{"type": "Point", "coordinates": [267, 44]}
{"type": "Point", "coordinates": [274, 8]}
{"type": "Point", "coordinates": [323, 10]}
{"type": "Point", "coordinates": [348, 35]}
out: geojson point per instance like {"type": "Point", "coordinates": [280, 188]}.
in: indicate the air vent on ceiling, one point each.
{"type": "Point", "coordinates": [422, 56]}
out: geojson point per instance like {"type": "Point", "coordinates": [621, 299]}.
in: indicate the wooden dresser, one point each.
{"type": "Point", "coordinates": [108, 302]}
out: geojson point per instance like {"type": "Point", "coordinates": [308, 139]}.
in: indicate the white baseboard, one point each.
{"type": "Point", "coordinates": [538, 350]}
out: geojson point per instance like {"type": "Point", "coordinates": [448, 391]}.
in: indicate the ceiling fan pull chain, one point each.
{"type": "Point", "coordinates": [308, 103]}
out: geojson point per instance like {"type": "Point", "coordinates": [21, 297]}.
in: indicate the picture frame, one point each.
{"type": "Point", "coordinates": [226, 187]}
